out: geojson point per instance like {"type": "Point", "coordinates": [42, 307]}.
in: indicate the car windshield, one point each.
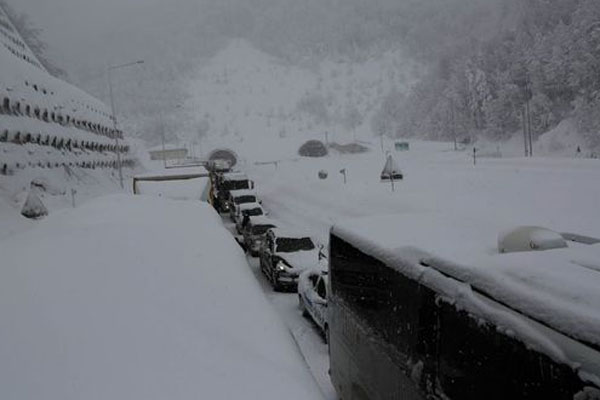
{"type": "Point", "coordinates": [289, 245]}
{"type": "Point", "coordinates": [244, 199]}
{"type": "Point", "coordinates": [261, 229]}
{"type": "Point", "coordinates": [253, 212]}
{"type": "Point", "coordinates": [236, 185]}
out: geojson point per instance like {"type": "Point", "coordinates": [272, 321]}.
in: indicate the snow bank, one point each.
{"type": "Point", "coordinates": [186, 189]}
{"type": "Point", "coordinates": [139, 298]}
{"type": "Point", "coordinates": [554, 288]}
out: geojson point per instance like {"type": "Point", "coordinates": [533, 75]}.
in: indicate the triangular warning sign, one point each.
{"type": "Point", "coordinates": [391, 170]}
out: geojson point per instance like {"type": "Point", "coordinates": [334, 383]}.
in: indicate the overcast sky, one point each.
{"type": "Point", "coordinates": [81, 33]}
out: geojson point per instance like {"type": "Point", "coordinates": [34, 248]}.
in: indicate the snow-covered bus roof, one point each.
{"type": "Point", "coordinates": [541, 292]}
{"type": "Point", "coordinates": [135, 297]}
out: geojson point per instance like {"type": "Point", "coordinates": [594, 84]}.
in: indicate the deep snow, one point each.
{"type": "Point", "coordinates": [139, 298]}
{"type": "Point", "coordinates": [558, 288]}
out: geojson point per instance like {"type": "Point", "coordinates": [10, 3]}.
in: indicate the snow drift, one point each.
{"type": "Point", "coordinates": [139, 298]}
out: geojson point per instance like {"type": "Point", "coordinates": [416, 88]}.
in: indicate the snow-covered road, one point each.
{"type": "Point", "coordinates": [561, 194]}
{"type": "Point", "coordinates": [304, 331]}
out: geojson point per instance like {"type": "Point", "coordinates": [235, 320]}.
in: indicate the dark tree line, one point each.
{"type": "Point", "coordinates": [541, 56]}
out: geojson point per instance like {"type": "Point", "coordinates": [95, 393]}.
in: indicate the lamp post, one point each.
{"type": "Point", "coordinates": [114, 114]}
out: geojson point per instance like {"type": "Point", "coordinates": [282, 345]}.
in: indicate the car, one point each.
{"type": "Point", "coordinates": [237, 197]}
{"type": "Point", "coordinates": [312, 297]}
{"type": "Point", "coordinates": [254, 233]}
{"type": "Point", "coordinates": [284, 255]}
{"type": "Point", "coordinates": [227, 182]}
{"type": "Point", "coordinates": [244, 212]}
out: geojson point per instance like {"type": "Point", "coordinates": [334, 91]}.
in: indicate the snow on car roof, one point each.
{"type": "Point", "coordinates": [262, 220]}
{"type": "Point", "coordinates": [134, 297]}
{"type": "Point", "coordinates": [234, 176]}
{"type": "Point", "coordinates": [248, 206]}
{"type": "Point", "coordinates": [290, 233]}
{"type": "Point", "coordinates": [242, 192]}
{"type": "Point", "coordinates": [557, 288]}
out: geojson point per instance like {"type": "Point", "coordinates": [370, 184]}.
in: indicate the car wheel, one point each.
{"type": "Point", "coordinates": [302, 307]}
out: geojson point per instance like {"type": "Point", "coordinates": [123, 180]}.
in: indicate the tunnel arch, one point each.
{"type": "Point", "coordinates": [224, 154]}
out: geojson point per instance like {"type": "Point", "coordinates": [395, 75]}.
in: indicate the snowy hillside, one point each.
{"type": "Point", "coordinates": [51, 132]}
{"type": "Point", "coordinates": [245, 99]}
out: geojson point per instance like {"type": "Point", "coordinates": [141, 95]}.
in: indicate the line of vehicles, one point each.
{"type": "Point", "coordinates": [289, 259]}
{"type": "Point", "coordinates": [402, 323]}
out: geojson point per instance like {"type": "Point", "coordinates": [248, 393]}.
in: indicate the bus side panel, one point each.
{"type": "Point", "coordinates": [362, 359]}
{"type": "Point", "coordinates": [478, 361]}
{"type": "Point", "coordinates": [361, 365]}
{"type": "Point", "coordinates": [393, 338]}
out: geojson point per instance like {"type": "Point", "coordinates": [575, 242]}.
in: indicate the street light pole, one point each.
{"type": "Point", "coordinates": [114, 115]}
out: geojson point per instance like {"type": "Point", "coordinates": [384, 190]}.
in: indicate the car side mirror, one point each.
{"type": "Point", "coordinates": [321, 301]}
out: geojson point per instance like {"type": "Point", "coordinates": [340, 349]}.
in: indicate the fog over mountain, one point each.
{"type": "Point", "coordinates": [481, 61]}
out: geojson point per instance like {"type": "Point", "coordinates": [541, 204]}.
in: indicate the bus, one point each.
{"type": "Point", "coordinates": [408, 324]}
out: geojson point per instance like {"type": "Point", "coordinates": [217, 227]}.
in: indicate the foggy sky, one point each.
{"type": "Point", "coordinates": [85, 33]}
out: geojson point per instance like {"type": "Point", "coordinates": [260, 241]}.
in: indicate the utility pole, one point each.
{"type": "Point", "coordinates": [162, 135]}
{"type": "Point", "coordinates": [525, 143]}
{"type": "Point", "coordinates": [114, 115]}
{"type": "Point", "coordinates": [527, 108]}
{"type": "Point", "coordinates": [453, 125]}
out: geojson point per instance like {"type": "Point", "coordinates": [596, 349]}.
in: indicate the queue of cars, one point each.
{"type": "Point", "coordinates": [290, 260]}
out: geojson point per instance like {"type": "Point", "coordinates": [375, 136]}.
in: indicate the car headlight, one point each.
{"type": "Point", "coordinates": [281, 266]}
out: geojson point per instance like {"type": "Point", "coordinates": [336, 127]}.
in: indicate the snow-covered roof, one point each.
{"type": "Point", "coordinates": [243, 192]}
{"type": "Point", "coordinates": [135, 297]}
{"type": "Point", "coordinates": [174, 172]}
{"type": "Point", "coordinates": [555, 289]}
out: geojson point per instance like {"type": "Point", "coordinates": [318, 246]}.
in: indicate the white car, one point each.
{"type": "Point", "coordinates": [312, 298]}
{"type": "Point", "coordinates": [244, 212]}
{"type": "Point", "coordinates": [238, 197]}
{"type": "Point", "coordinates": [284, 255]}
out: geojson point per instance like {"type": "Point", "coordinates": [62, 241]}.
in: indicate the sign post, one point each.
{"type": "Point", "coordinates": [343, 172]}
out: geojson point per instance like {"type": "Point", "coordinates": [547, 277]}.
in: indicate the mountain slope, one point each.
{"type": "Point", "coordinates": [248, 100]}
